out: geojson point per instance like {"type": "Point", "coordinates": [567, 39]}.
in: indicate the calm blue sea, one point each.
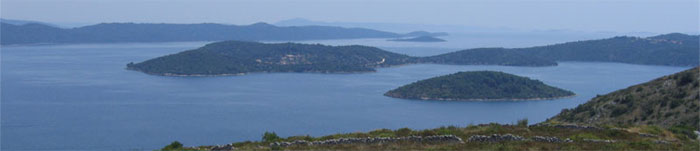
{"type": "Point", "coordinates": [80, 97]}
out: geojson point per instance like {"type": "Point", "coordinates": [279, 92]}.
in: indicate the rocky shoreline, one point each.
{"type": "Point", "coordinates": [477, 100]}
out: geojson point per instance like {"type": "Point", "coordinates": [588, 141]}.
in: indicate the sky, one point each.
{"type": "Point", "coordinates": [659, 16]}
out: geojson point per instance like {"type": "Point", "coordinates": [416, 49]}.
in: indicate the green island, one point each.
{"type": "Point", "coordinates": [238, 57]}
{"type": "Point", "coordinates": [627, 122]}
{"type": "Point", "coordinates": [420, 39]}
{"type": "Point", "coordinates": [478, 86]}
{"type": "Point", "coordinates": [489, 56]}
{"type": "Point", "coordinates": [673, 49]}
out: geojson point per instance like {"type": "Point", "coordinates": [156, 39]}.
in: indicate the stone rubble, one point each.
{"type": "Point", "coordinates": [661, 142]}
{"type": "Point", "coordinates": [647, 135]}
{"type": "Point", "coordinates": [223, 147]}
{"type": "Point", "coordinates": [550, 139]}
{"type": "Point", "coordinates": [495, 138]}
{"type": "Point", "coordinates": [599, 141]}
{"type": "Point", "coordinates": [376, 140]}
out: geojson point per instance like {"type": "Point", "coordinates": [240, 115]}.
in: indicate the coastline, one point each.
{"type": "Point", "coordinates": [480, 100]}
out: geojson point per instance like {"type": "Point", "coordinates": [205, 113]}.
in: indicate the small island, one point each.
{"type": "Point", "coordinates": [239, 57]}
{"type": "Point", "coordinates": [420, 39]}
{"type": "Point", "coordinates": [478, 86]}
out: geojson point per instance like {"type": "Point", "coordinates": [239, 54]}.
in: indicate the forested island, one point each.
{"type": "Point", "coordinates": [478, 86]}
{"type": "Point", "coordinates": [670, 50]}
{"type": "Point", "coordinates": [238, 57]}
{"type": "Point", "coordinates": [419, 39]}
{"type": "Point", "coordinates": [489, 56]}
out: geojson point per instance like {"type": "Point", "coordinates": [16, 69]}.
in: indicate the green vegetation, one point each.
{"type": "Point", "coordinates": [173, 146]}
{"type": "Point", "coordinates": [420, 39]}
{"type": "Point", "coordinates": [478, 85]}
{"type": "Point", "coordinates": [270, 137]}
{"type": "Point", "coordinates": [237, 57]}
{"type": "Point", "coordinates": [489, 56]}
{"type": "Point", "coordinates": [670, 49]}
{"type": "Point", "coordinates": [625, 140]}
{"type": "Point", "coordinates": [669, 102]}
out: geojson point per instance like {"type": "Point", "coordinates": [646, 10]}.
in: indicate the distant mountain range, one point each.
{"type": "Point", "coordinates": [37, 33]}
{"type": "Point", "coordinates": [23, 22]}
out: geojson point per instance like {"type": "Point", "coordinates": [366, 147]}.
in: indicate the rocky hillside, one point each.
{"type": "Point", "coordinates": [669, 101]}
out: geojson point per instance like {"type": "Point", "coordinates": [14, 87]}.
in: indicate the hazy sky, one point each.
{"type": "Point", "coordinates": [587, 15]}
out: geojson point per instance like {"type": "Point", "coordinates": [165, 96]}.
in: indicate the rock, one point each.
{"type": "Point", "coordinates": [647, 135]}
{"type": "Point", "coordinates": [550, 139]}
{"type": "Point", "coordinates": [599, 141]}
{"type": "Point", "coordinates": [375, 140]}
{"type": "Point", "coordinates": [495, 138]}
{"type": "Point", "coordinates": [661, 142]}
{"type": "Point", "coordinates": [577, 127]}
{"type": "Point", "coordinates": [223, 147]}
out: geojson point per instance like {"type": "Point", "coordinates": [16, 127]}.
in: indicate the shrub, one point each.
{"type": "Point", "coordinates": [582, 136]}
{"type": "Point", "coordinates": [403, 132]}
{"type": "Point", "coordinates": [270, 137]}
{"type": "Point", "coordinates": [684, 130]}
{"type": "Point", "coordinates": [173, 146]}
{"type": "Point", "coordinates": [523, 122]}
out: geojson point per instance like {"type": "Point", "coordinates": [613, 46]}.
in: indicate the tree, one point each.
{"type": "Point", "coordinates": [270, 137]}
{"type": "Point", "coordinates": [173, 146]}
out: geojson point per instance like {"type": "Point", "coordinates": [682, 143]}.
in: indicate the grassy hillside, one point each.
{"type": "Point", "coordinates": [670, 102]}
{"type": "Point", "coordinates": [523, 137]}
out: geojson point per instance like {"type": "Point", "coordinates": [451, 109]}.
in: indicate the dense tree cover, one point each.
{"type": "Point", "coordinates": [237, 57]}
{"type": "Point", "coordinates": [478, 85]}
{"type": "Point", "coordinates": [489, 56]}
{"type": "Point", "coordinates": [33, 33]}
{"type": "Point", "coordinates": [670, 49]}
{"type": "Point", "coordinates": [420, 39]}
{"type": "Point", "coordinates": [670, 101]}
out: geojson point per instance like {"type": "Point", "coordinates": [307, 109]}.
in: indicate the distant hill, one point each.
{"type": "Point", "coordinates": [237, 57]}
{"type": "Point", "coordinates": [24, 22]}
{"type": "Point", "coordinates": [669, 101]}
{"type": "Point", "coordinates": [420, 39]}
{"type": "Point", "coordinates": [489, 56]}
{"type": "Point", "coordinates": [478, 85]}
{"type": "Point", "coordinates": [671, 49]}
{"type": "Point", "coordinates": [33, 33]}
{"type": "Point", "coordinates": [425, 33]}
